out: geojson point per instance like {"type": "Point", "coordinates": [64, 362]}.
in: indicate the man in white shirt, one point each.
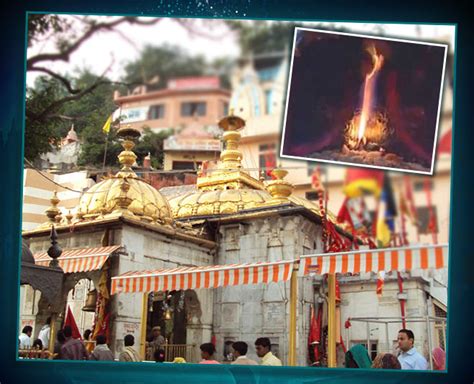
{"type": "Point", "coordinates": [409, 357]}
{"type": "Point", "coordinates": [240, 352]}
{"type": "Point", "coordinates": [25, 337]}
{"type": "Point", "coordinates": [45, 333]}
{"type": "Point", "coordinates": [263, 346]}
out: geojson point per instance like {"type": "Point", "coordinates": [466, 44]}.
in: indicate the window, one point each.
{"type": "Point", "coordinates": [185, 165]}
{"type": "Point", "coordinates": [268, 101]}
{"type": "Point", "coordinates": [424, 215]}
{"type": "Point", "coordinates": [156, 112]}
{"type": "Point", "coordinates": [311, 195]}
{"type": "Point", "coordinates": [193, 109]}
{"type": "Point", "coordinates": [440, 326]}
{"type": "Point", "coordinates": [267, 158]}
{"type": "Point", "coordinates": [373, 347]}
{"type": "Point", "coordinates": [225, 108]}
{"type": "Point", "coordinates": [419, 185]}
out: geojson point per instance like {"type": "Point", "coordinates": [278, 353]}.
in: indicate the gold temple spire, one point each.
{"type": "Point", "coordinates": [53, 211]}
{"type": "Point", "coordinates": [279, 188]}
{"type": "Point", "coordinates": [229, 173]}
{"type": "Point", "coordinates": [127, 157]}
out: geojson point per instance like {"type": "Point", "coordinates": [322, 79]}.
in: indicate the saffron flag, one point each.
{"type": "Point", "coordinates": [72, 323]}
{"type": "Point", "coordinates": [108, 123]}
{"type": "Point", "coordinates": [361, 182]}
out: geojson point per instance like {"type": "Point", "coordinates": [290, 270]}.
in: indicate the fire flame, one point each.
{"type": "Point", "coordinates": [377, 62]}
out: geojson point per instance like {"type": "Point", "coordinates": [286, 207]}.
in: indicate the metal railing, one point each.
{"type": "Point", "coordinates": [432, 322]}
{"type": "Point", "coordinates": [187, 351]}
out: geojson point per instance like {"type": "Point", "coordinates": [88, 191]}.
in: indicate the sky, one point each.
{"type": "Point", "coordinates": [107, 47]}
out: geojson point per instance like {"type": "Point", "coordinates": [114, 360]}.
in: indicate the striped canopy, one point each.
{"type": "Point", "coordinates": [376, 260]}
{"type": "Point", "coordinates": [202, 277]}
{"type": "Point", "coordinates": [79, 259]}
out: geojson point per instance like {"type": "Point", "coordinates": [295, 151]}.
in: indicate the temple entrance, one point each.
{"type": "Point", "coordinates": [171, 311]}
{"type": "Point", "coordinates": [167, 311]}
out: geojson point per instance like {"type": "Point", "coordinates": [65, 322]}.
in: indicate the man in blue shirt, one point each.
{"type": "Point", "coordinates": [409, 358]}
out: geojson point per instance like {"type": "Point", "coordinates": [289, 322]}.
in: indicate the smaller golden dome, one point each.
{"type": "Point", "coordinates": [108, 195]}
{"type": "Point", "coordinates": [203, 203]}
{"type": "Point", "coordinates": [125, 192]}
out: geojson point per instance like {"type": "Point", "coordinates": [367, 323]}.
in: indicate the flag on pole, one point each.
{"type": "Point", "coordinates": [72, 323]}
{"type": "Point", "coordinates": [361, 182]}
{"type": "Point", "coordinates": [108, 123]}
{"type": "Point", "coordinates": [270, 162]}
{"type": "Point", "coordinates": [385, 216]}
{"type": "Point", "coordinates": [314, 336]}
{"type": "Point", "coordinates": [444, 145]}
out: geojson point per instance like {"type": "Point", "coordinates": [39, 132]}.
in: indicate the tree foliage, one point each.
{"type": "Point", "coordinates": [262, 36]}
{"type": "Point", "coordinates": [158, 64]}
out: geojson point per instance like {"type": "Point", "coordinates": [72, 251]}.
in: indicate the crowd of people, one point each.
{"type": "Point", "coordinates": [408, 357]}
{"type": "Point", "coordinates": [66, 347]}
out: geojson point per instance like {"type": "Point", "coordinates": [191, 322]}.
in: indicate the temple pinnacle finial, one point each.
{"type": "Point", "coordinates": [127, 157]}
{"type": "Point", "coordinates": [279, 188]}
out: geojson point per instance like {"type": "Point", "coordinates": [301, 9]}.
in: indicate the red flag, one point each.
{"type": "Point", "coordinates": [314, 336]}
{"type": "Point", "coordinates": [72, 323]}
{"type": "Point", "coordinates": [445, 143]}
{"type": "Point", "coordinates": [270, 163]}
{"type": "Point", "coordinates": [316, 179]}
{"type": "Point", "coordinates": [344, 214]}
{"type": "Point", "coordinates": [361, 181]}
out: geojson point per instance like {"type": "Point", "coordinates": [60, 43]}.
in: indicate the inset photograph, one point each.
{"type": "Point", "coordinates": [363, 100]}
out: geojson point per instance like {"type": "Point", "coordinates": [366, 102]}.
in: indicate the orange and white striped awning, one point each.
{"type": "Point", "coordinates": [375, 260]}
{"type": "Point", "coordinates": [79, 259]}
{"type": "Point", "coordinates": [202, 277]}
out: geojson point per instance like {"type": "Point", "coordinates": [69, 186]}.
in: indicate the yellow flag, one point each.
{"type": "Point", "coordinates": [106, 127]}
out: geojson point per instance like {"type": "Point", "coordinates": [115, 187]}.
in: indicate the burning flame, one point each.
{"type": "Point", "coordinates": [377, 61]}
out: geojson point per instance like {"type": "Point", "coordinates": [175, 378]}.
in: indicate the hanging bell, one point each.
{"type": "Point", "coordinates": [90, 301]}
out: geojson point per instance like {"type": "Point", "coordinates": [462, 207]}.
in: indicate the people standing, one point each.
{"type": "Point", "coordinates": [60, 340]}
{"type": "Point", "coordinates": [263, 348]}
{"type": "Point", "coordinates": [25, 337]}
{"type": "Point", "coordinates": [157, 342]}
{"type": "Point", "coordinates": [207, 353]}
{"type": "Point", "coordinates": [240, 349]}
{"type": "Point", "coordinates": [386, 361]}
{"type": "Point", "coordinates": [439, 359]}
{"type": "Point", "coordinates": [45, 333]}
{"type": "Point", "coordinates": [87, 334]}
{"type": "Point", "coordinates": [37, 344]}
{"type": "Point", "coordinates": [101, 351]}
{"type": "Point", "coordinates": [357, 357]}
{"type": "Point", "coordinates": [129, 354]}
{"type": "Point", "coordinates": [409, 357]}
{"type": "Point", "coordinates": [72, 349]}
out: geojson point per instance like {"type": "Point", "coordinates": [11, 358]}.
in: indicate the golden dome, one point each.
{"type": "Point", "coordinates": [229, 189]}
{"type": "Point", "coordinates": [108, 196]}
{"type": "Point", "coordinates": [125, 192]}
{"type": "Point", "coordinates": [202, 203]}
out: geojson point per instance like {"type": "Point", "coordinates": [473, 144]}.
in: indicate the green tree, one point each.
{"type": "Point", "coordinates": [157, 64]}
{"type": "Point", "coordinates": [263, 36]}
{"type": "Point", "coordinates": [45, 101]}
{"type": "Point", "coordinates": [152, 143]}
